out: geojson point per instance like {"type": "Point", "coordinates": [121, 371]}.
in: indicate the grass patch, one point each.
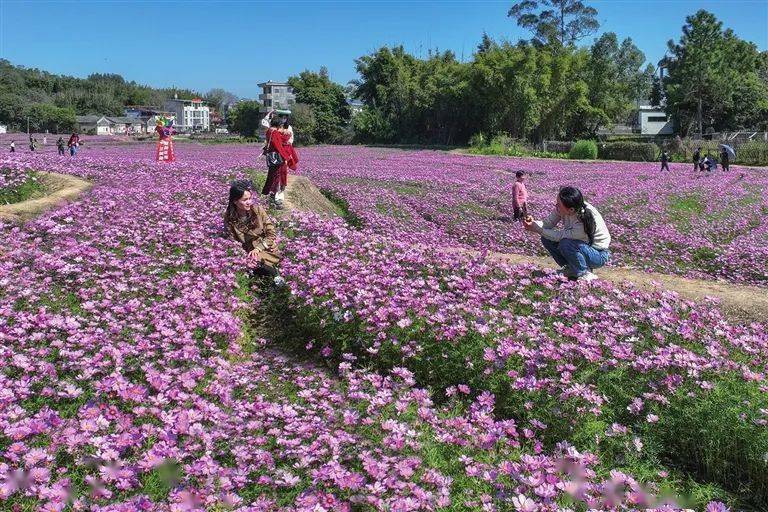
{"type": "Point", "coordinates": [342, 207]}
{"type": "Point", "coordinates": [392, 210]}
{"type": "Point", "coordinates": [30, 188]}
{"type": "Point", "coordinates": [682, 208]}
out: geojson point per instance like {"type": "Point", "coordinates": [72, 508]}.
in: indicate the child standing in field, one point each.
{"type": "Point", "coordinates": [520, 196]}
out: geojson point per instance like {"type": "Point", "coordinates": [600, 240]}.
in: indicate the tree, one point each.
{"type": "Point", "coordinates": [304, 124]}
{"type": "Point", "coordinates": [486, 43]}
{"type": "Point", "coordinates": [712, 74]}
{"type": "Point", "coordinates": [615, 78]}
{"type": "Point", "coordinates": [327, 101]}
{"type": "Point", "coordinates": [219, 98]}
{"type": "Point", "coordinates": [560, 21]}
{"type": "Point", "coordinates": [104, 94]}
{"type": "Point", "coordinates": [244, 118]}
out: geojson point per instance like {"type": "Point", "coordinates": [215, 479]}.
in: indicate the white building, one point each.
{"type": "Point", "coordinates": [3, 128]}
{"type": "Point", "coordinates": [103, 125]}
{"type": "Point", "coordinates": [191, 115]}
{"type": "Point", "coordinates": [654, 121]}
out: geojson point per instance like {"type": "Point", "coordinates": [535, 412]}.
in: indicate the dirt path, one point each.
{"type": "Point", "coordinates": [738, 301]}
{"type": "Point", "coordinates": [61, 188]}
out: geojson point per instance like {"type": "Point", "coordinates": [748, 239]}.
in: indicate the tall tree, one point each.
{"type": "Point", "coordinates": [244, 118]}
{"type": "Point", "coordinates": [714, 78]}
{"type": "Point", "coordinates": [326, 100]}
{"type": "Point", "coordinates": [616, 79]}
{"type": "Point", "coordinates": [561, 21]}
{"type": "Point", "coordinates": [219, 98]}
{"type": "Point", "coordinates": [486, 43]}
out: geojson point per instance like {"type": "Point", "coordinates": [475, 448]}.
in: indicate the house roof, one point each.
{"type": "Point", "coordinates": [125, 120]}
{"type": "Point", "coordinates": [270, 82]}
{"type": "Point", "coordinates": [89, 119]}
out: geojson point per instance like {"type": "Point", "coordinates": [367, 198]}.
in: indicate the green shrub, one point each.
{"type": "Point", "coordinates": [583, 150]}
{"type": "Point", "coordinates": [627, 150]}
{"type": "Point", "coordinates": [478, 140]}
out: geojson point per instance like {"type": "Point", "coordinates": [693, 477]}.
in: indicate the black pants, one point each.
{"type": "Point", "coordinates": [664, 165]}
{"type": "Point", "coordinates": [521, 212]}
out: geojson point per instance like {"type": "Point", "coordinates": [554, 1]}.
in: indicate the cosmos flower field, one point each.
{"type": "Point", "coordinates": [408, 376]}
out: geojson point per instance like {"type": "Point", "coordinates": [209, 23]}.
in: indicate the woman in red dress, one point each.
{"type": "Point", "coordinates": [277, 174]}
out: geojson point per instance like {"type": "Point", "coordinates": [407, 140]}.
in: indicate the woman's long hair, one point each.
{"type": "Point", "coordinates": [571, 197]}
{"type": "Point", "coordinates": [237, 190]}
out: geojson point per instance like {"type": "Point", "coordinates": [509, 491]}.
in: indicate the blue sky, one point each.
{"type": "Point", "coordinates": [235, 45]}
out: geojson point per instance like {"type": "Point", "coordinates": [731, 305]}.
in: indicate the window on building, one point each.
{"type": "Point", "coordinates": [657, 119]}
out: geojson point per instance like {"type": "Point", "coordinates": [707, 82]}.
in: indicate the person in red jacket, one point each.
{"type": "Point", "coordinates": [277, 174]}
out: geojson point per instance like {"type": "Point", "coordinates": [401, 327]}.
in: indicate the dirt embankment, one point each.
{"type": "Point", "coordinates": [60, 188]}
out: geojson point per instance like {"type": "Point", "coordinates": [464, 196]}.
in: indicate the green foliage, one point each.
{"type": "Point", "coordinates": [328, 105]}
{"type": "Point", "coordinates": [714, 66]}
{"type": "Point", "coordinates": [583, 150]}
{"type": "Point", "coordinates": [30, 188]}
{"type": "Point", "coordinates": [478, 140]}
{"type": "Point", "coordinates": [719, 437]}
{"type": "Point", "coordinates": [555, 21]}
{"type": "Point", "coordinates": [304, 124]}
{"type": "Point", "coordinates": [342, 206]}
{"type": "Point", "coordinates": [616, 78]}
{"type": "Point", "coordinates": [52, 101]}
{"type": "Point", "coordinates": [244, 118]}
{"type": "Point", "coordinates": [370, 125]}
{"type": "Point", "coordinates": [628, 150]}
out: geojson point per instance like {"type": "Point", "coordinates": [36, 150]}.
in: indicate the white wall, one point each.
{"type": "Point", "coordinates": [648, 127]}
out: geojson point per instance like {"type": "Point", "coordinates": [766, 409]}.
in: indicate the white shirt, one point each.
{"type": "Point", "coordinates": [573, 228]}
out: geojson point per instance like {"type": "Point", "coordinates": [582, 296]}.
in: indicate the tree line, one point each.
{"type": "Point", "coordinates": [545, 87]}
{"type": "Point", "coordinates": [52, 101]}
{"type": "Point", "coordinates": [548, 88]}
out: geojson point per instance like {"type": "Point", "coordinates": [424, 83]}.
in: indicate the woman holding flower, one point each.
{"type": "Point", "coordinates": [581, 244]}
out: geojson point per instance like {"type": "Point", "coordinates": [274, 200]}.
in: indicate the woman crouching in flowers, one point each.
{"type": "Point", "coordinates": [249, 224]}
{"type": "Point", "coordinates": [581, 245]}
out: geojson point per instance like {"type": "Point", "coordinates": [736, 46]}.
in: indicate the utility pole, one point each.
{"type": "Point", "coordinates": [27, 125]}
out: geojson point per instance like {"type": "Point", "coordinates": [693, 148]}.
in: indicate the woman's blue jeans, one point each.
{"type": "Point", "coordinates": [577, 254]}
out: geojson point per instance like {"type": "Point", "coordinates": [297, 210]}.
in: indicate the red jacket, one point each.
{"type": "Point", "coordinates": [278, 142]}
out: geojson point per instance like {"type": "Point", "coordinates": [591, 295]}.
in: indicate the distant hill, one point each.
{"type": "Point", "coordinates": [52, 101]}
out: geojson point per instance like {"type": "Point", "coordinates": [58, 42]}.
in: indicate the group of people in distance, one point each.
{"type": "Point", "coordinates": [73, 144]}
{"type": "Point", "coordinates": [705, 163]}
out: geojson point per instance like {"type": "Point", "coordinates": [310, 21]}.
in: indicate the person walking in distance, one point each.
{"type": "Point", "coordinates": [664, 161]}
